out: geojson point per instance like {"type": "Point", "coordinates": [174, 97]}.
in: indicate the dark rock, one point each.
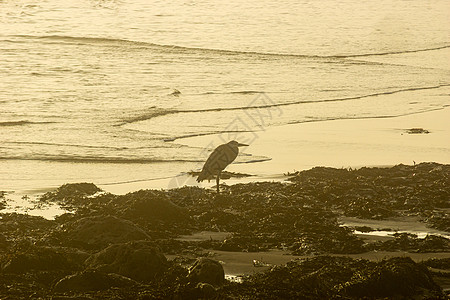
{"type": "Point", "coordinates": [364, 229]}
{"type": "Point", "coordinates": [72, 190]}
{"type": "Point", "coordinates": [195, 291]}
{"type": "Point", "coordinates": [417, 131]}
{"type": "Point", "coordinates": [217, 218]}
{"type": "Point", "coordinates": [399, 276]}
{"type": "Point", "coordinates": [434, 243]}
{"type": "Point", "coordinates": [230, 244]}
{"type": "Point", "coordinates": [438, 220]}
{"type": "Point", "coordinates": [92, 281]}
{"type": "Point", "coordinates": [3, 241]}
{"type": "Point", "coordinates": [338, 240]}
{"type": "Point", "coordinates": [71, 298]}
{"type": "Point", "coordinates": [14, 225]}
{"type": "Point", "coordinates": [410, 242]}
{"type": "Point", "coordinates": [326, 277]}
{"type": "Point", "coordinates": [207, 291]}
{"type": "Point", "coordinates": [151, 205]}
{"type": "Point", "coordinates": [139, 260]}
{"type": "Point", "coordinates": [207, 270]}
{"type": "Point", "coordinates": [42, 259]}
{"type": "Point", "coordinates": [100, 231]}
{"type": "Point", "coordinates": [438, 263]}
{"type": "Point", "coordinates": [2, 200]}
{"type": "Point", "coordinates": [72, 196]}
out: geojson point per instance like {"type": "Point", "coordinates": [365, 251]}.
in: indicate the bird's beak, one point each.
{"type": "Point", "coordinates": [242, 145]}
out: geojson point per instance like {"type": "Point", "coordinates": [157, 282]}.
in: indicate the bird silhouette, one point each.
{"type": "Point", "coordinates": [219, 159]}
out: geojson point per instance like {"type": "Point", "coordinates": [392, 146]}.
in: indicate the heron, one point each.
{"type": "Point", "coordinates": [219, 159]}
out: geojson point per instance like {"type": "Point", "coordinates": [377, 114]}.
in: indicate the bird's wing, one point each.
{"type": "Point", "coordinates": [221, 157]}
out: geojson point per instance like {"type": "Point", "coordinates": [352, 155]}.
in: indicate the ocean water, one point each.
{"type": "Point", "coordinates": [102, 90]}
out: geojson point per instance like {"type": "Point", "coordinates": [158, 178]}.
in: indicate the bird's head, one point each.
{"type": "Point", "coordinates": [236, 144]}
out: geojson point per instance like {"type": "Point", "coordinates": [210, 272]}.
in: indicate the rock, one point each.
{"type": "Point", "coordinates": [92, 281]}
{"type": "Point", "coordinates": [139, 260]}
{"type": "Point", "coordinates": [438, 263]}
{"type": "Point", "coordinates": [364, 229]}
{"type": "Point", "coordinates": [102, 231]}
{"type": "Point", "coordinates": [195, 291]}
{"type": "Point", "coordinates": [3, 241]}
{"type": "Point", "coordinates": [3, 203]}
{"type": "Point", "coordinates": [439, 221]}
{"type": "Point", "coordinates": [230, 245]}
{"type": "Point", "coordinates": [72, 190]}
{"type": "Point", "coordinates": [71, 298]}
{"type": "Point", "coordinates": [15, 225]}
{"type": "Point", "coordinates": [151, 205]}
{"type": "Point", "coordinates": [326, 277]}
{"type": "Point", "coordinates": [43, 259]}
{"type": "Point", "coordinates": [417, 131]}
{"type": "Point", "coordinates": [72, 196]}
{"type": "Point", "coordinates": [207, 291]}
{"type": "Point", "coordinates": [410, 242]}
{"type": "Point", "coordinates": [394, 277]}
{"type": "Point", "coordinates": [207, 270]}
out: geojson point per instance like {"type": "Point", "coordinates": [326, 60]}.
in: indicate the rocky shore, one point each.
{"type": "Point", "coordinates": [129, 246]}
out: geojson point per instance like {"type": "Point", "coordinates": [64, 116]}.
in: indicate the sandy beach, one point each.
{"type": "Point", "coordinates": [346, 143]}
{"type": "Point", "coordinates": [335, 143]}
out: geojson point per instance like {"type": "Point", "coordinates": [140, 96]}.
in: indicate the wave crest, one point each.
{"type": "Point", "coordinates": [97, 159]}
{"type": "Point", "coordinates": [21, 123]}
{"type": "Point", "coordinates": [271, 105]}
{"type": "Point", "coordinates": [184, 49]}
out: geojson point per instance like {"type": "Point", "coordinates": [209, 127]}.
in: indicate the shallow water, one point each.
{"type": "Point", "coordinates": [387, 228]}
{"type": "Point", "coordinates": [30, 205]}
{"type": "Point", "coordinates": [420, 234]}
{"type": "Point", "coordinates": [101, 90]}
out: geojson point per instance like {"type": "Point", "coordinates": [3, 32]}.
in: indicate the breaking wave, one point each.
{"type": "Point", "coordinates": [97, 159]}
{"type": "Point", "coordinates": [183, 49]}
{"type": "Point", "coordinates": [161, 112]}
{"type": "Point", "coordinates": [21, 123]}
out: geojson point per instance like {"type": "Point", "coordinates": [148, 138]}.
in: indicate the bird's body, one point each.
{"type": "Point", "coordinates": [219, 159]}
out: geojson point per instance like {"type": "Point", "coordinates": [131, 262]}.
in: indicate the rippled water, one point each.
{"type": "Point", "coordinates": [86, 85]}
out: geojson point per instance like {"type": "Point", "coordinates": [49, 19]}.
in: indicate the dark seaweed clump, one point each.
{"type": "Point", "coordinates": [120, 243]}
{"type": "Point", "coordinates": [326, 277]}
{"type": "Point", "coordinates": [2, 200]}
{"type": "Point", "coordinates": [417, 131]}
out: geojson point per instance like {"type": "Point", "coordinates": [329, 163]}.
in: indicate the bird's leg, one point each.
{"type": "Point", "coordinates": [217, 181]}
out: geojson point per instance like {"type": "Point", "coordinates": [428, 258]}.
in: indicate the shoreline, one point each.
{"type": "Point", "coordinates": [349, 143]}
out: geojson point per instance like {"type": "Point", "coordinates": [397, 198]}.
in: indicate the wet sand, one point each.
{"type": "Point", "coordinates": [336, 143]}
{"type": "Point", "coordinates": [345, 143]}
